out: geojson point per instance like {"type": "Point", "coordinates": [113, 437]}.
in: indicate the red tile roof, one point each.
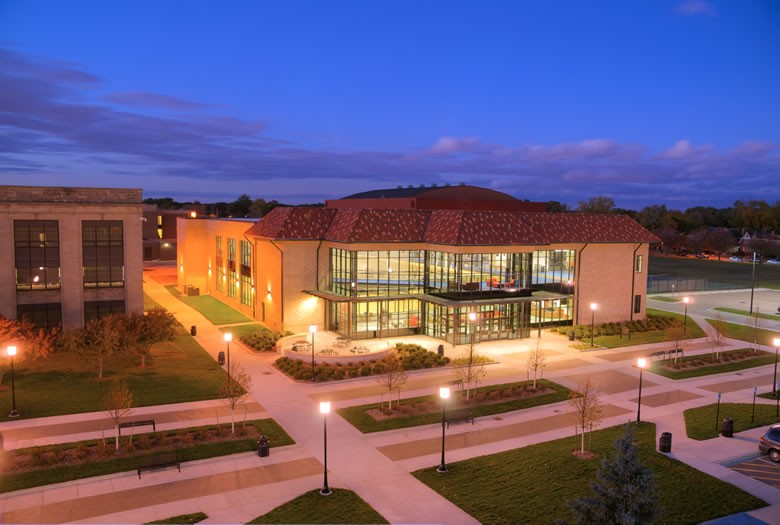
{"type": "Point", "coordinates": [449, 227]}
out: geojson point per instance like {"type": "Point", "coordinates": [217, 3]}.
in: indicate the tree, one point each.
{"type": "Point", "coordinates": [557, 207]}
{"type": "Point", "coordinates": [261, 207]}
{"type": "Point", "coordinates": [597, 205]}
{"type": "Point", "coordinates": [670, 238]}
{"type": "Point", "coordinates": [117, 403]}
{"type": "Point", "coordinates": [716, 337]}
{"type": "Point", "coordinates": [99, 339]}
{"type": "Point", "coordinates": [240, 207]}
{"type": "Point", "coordinates": [393, 378]}
{"type": "Point", "coordinates": [140, 332]}
{"type": "Point", "coordinates": [721, 241]}
{"type": "Point", "coordinates": [234, 389]}
{"type": "Point", "coordinates": [587, 410]}
{"type": "Point", "coordinates": [472, 373]}
{"type": "Point", "coordinates": [536, 362]}
{"type": "Point", "coordinates": [624, 491]}
{"type": "Point", "coordinates": [34, 343]}
{"type": "Point", "coordinates": [679, 339]}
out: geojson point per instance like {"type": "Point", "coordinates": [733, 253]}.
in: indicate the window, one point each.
{"type": "Point", "coordinates": [103, 254]}
{"type": "Point", "coordinates": [220, 259]}
{"type": "Point", "coordinates": [48, 315]}
{"type": "Point", "coordinates": [37, 255]}
{"type": "Point", "coordinates": [245, 272]}
{"type": "Point", "coordinates": [232, 275]}
{"type": "Point", "coordinates": [637, 304]}
{"type": "Point", "coordinates": [98, 309]}
{"type": "Point", "coordinates": [638, 264]}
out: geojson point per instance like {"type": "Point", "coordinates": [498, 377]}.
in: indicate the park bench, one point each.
{"type": "Point", "coordinates": [460, 418]}
{"type": "Point", "coordinates": [139, 423]}
{"type": "Point", "coordinates": [660, 353]}
{"type": "Point", "coordinates": [163, 460]}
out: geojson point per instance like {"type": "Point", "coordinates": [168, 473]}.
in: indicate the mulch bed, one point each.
{"type": "Point", "coordinates": [705, 360]}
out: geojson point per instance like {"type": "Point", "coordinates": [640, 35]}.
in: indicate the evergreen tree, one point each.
{"type": "Point", "coordinates": [623, 492]}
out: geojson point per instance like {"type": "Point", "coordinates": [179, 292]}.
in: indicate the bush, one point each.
{"type": "Point", "coordinates": [263, 339]}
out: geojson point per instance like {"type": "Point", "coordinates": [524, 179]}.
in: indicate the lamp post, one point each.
{"type": "Point", "coordinates": [11, 354]}
{"type": "Point", "coordinates": [228, 338]}
{"type": "Point", "coordinates": [641, 363]}
{"type": "Point", "coordinates": [752, 283]}
{"type": "Point", "coordinates": [472, 318]}
{"type": "Point", "coordinates": [593, 307]}
{"type": "Point", "coordinates": [444, 394]}
{"type": "Point", "coordinates": [775, 343]}
{"type": "Point", "coordinates": [312, 331]}
{"type": "Point", "coordinates": [325, 410]}
{"type": "Point", "coordinates": [686, 300]}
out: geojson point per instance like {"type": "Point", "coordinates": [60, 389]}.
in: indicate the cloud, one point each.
{"type": "Point", "coordinates": [683, 149]}
{"type": "Point", "coordinates": [449, 145]}
{"type": "Point", "coordinates": [695, 8]}
{"type": "Point", "coordinates": [154, 100]}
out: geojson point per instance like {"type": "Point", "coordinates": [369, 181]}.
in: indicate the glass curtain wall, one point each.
{"type": "Point", "coordinates": [245, 271]}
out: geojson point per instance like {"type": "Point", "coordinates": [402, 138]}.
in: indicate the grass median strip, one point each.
{"type": "Point", "coordinates": [183, 519]}
{"type": "Point", "coordinates": [361, 418]}
{"type": "Point", "coordinates": [705, 422]}
{"type": "Point", "coordinates": [747, 313]}
{"type": "Point", "coordinates": [215, 311]}
{"type": "Point", "coordinates": [704, 364]}
{"type": "Point", "coordinates": [745, 333]}
{"type": "Point", "coordinates": [94, 458]}
{"type": "Point", "coordinates": [532, 484]}
{"type": "Point", "coordinates": [341, 506]}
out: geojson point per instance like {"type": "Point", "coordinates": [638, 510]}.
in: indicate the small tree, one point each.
{"type": "Point", "coordinates": [141, 331]}
{"type": "Point", "coordinates": [678, 338]}
{"type": "Point", "coordinates": [536, 362]}
{"type": "Point", "coordinates": [234, 389]}
{"type": "Point", "coordinates": [35, 342]}
{"type": "Point", "coordinates": [587, 410]}
{"type": "Point", "coordinates": [472, 373]}
{"type": "Point", "coordinates": [393, 378]}
{"type": "Point", "coordinates": [117, 404]}
{"type": "Point", "coordinates": [716, 337]}
{"type": "Point", "coordinates": [99, 339]}
{"type": "Point", "coordinates": [624, 491]}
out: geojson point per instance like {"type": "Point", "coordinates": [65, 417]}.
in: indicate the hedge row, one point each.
{"type": "Point", "coordinates": [652, 323]}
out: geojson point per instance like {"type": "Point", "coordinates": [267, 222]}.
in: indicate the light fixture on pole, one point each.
{"type": "Point", "coordinates": [686, 300]}
{"type": "Point", "coordinates": [776, 344]}
{"type": "Point", "coordinates": [444, 394]}
{"type": "Point", "coordinates": [593, 307]}
{"type": "Point", "coordinates": [325, 410]}
{"type": "Point", "coordinates": [472, 318]}
{"type": "Point", "coordinates": [641, 363]}
{"type": "Point", "coordinates": [11, 354]}
{"type": "Point", "coordinates": [312, 331]}
{"type": "Point", "coordinates": [752, 283]}
{"type": "Point", "coordinates": [228, 338]}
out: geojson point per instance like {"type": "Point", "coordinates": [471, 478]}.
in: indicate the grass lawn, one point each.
{"type": "Point", "coordinates": [21, 480]}
{"type": "Point", "coordinates": [641, 338]}
{"type": "Point", "coordinates": [361, 420]}
{"type": "Point", "coordinates": [150, 304]}
{"type": "Point", "coordinates": [665, 299]}
{"type": "Point", "coordinates": [747, 313]}
{"type": "Point", "coordinates": [701, 423]}
{"type": "Point", "coordinates": [733, 273]}
{"type": "Point", "coordinates": [184, 519]}
{"type": "Point", "coordinates": [63, 383]}
{"type": "Point", "coordinates": [743, 332]}
{"type": "Point", "coordinates": [215, 311]}
{"type": "Point", "coordinates": [342, 506]}
{"type": "Point", "coordinates": [705, 369]}
{"type": "Point", "coordinates": [532, 484]}
{"type": "Point", "coordinates": [241, 330]}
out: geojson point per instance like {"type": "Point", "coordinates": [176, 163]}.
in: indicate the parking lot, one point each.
{"type": "Point", "coordinates": [761, 468]}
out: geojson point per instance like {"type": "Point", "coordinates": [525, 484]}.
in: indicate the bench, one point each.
{"type": "Point", "coordinates": [460, 418]}
{"type": "Point", "coordinates": [154, 462]}
{"type": "Point", "coordinates": [139, 423]}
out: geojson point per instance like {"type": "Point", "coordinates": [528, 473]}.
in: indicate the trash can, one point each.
{"type": "Point", "coordinates": [221, 358]}
{"type": "Point", "coordinates": [441, 350]}
{"type": "Point", "coordinates": [263, 446]}
{"type": "Point", "coordinates": [727, 428]}
{"type": "Point", "coordinates": [571, 335]}
{"type": "Point", "coordinates": [193, 330]}
{"type": "Point", "coordinates": [665, 442]}
{"type": "Point", "coordinates": [1, 442]}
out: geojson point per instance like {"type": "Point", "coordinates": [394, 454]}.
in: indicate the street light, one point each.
{"type": "Point", "coordinates": [641, 363]}
{"type": "Point", "coordinates": [775, 343]}
{"type": "Point", "coordinates": [472, 318]}
{"type": "Point", "coordinates": [228, 338]}
{"type": "Point", "coordinates": [444, 394]}
{"type": "Point", "coordinates": [312, 331]}
{"type": "Point", "coordinates": [325, 410]}
{"type": "Point", "coordinates": [686, 300]}
{"type": "Point", "coordinates": [593, 307]}
{"type": "Point", "coordinates": [11, 354]}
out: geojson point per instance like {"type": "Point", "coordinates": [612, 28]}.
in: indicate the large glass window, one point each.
{"type": "Point", "coordinates": [47, 315]}
{"type": "Point", "coordinates": [245, 273]}
{"type": "Point", "coordinates": [232, 277]}
{"type": "Point", "coordinates": [98, 309]}
{"type": "Point", "coordinates": [220, 261]}
{"type": "Point", "coordinates": [376, 273]}
{"type": "Point", "coordinates": [552, 269]}
{"type": "Point", "coordinates": [103, 254]}
{"type": "Point", "coordinates": [37, 255]}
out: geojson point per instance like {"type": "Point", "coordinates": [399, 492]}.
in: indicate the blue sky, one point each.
{"type": "Point", "coordinates": [646, 101]}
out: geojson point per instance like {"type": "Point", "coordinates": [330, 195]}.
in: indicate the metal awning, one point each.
{"type": "Point", "coordinates": [537, 296]}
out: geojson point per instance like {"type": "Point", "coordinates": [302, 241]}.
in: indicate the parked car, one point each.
{"type": "Point", "coordinates": [734, 258]}
{"type": "Point", "coordinates": [769, 443]}
{"type": "Point", "coordinates": [773, 261]}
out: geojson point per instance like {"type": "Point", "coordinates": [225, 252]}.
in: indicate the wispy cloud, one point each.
{"type": "Point", "coordinates": [154, 100]}
{"type": "Point", "coordinates": [695, 8]}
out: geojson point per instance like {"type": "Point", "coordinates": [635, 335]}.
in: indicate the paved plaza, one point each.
{"type": "Point", "coordinates": [237, 488]}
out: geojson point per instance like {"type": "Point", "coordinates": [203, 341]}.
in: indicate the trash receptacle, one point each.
{"type": "Point", "coordinates": [441, 350]}
{"type": "Point", "coordinates": [193, 330]}
{"type": "Point", "coordinates": [571, 335]}
{"type": "Point", "coordinates": [221, 358]}
{"type": "Point", "coordinates": [263, 446]}
{"type": "Point", "coordinates": [665, 443]}
{"type": "Point", "coordinates": [727, 428]}
{"type": "Point", "coordinates": [1, 442]}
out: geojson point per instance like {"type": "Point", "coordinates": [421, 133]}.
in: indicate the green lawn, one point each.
{"type": "Point", "coordinates": [63, 383]}
{"type": "Point", "coordinates": [215, 311]}
{"type": "Point", "coordinates": [761, 359]}
{"type": "Point", "coordinates": [241, 330]}
{"type": "Point", "coordinates": [532, 484]}
{"type": "Point", "coordinates": [150, 304]}
{"type": "Point", "coordinates": [342, 506]}
{"type": "Point", "coordinates": [358, 417]}
{"type": "Point", "coordinates": [16, 481]}
{"type": "Point", "coordinates": [732, 273]}
{"type": "Point", "coordinates": [666, 299]}
{"type": "Point", "coordinates": [744, 332]}
{"type": "Point", "coordinates": [701, 423]}
{"type": "Point", "coordinates": [640, 338]}
{"type": "Point", "coordinates": [747, 313]}
{"type": "Point", "coordinates": [183, 519]}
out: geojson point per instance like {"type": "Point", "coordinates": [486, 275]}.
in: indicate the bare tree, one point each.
{"type": "Point", "coordinates": [587, 410]}
{"type": "Point", "coordinates": [234, 389]}
{"type": "Point", "coordinates": [117, 404]}
{"type": "Point", "coordinates": [393, 378]}
{"type": "Point", "coordinates": [676, 335]}
{"type": "Point", "coordinates": [472, 373]}
{"type": "Point", "coordinates": [716, 337]}
{"type": "Point", "coordinates": [536, 362]}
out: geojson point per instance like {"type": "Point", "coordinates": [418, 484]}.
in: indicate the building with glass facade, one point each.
{"type": "Point", "coordinates": [420, 261]}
